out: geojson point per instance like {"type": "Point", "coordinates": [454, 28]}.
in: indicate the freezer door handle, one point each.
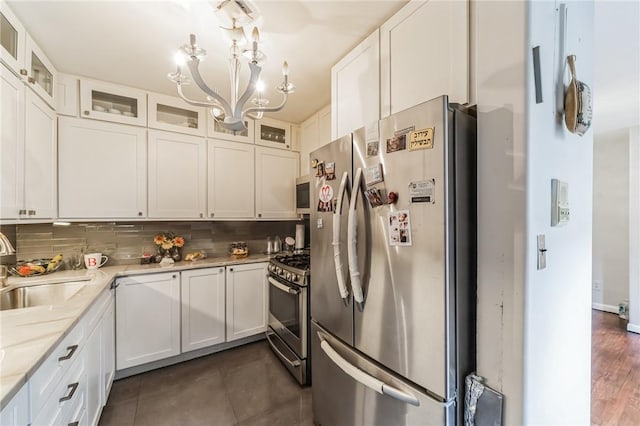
{"type": "Point", "coordinates": [352, 240]}
{"type": "Point", "coordinates": [367, 380]}
{"type": "Point", "coordinates": [342, 287]}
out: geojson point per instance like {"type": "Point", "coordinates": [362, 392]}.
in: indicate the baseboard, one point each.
{"type": "Point", "coordinates": [633, 328]}
{"type": "Point", "coordinates": [605, 308]}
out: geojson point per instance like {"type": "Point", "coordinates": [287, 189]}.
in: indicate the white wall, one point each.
{"type": "Point", "coordinates": [534, 327]}
{"type": "Point", "coordinates": [557, 331]}
{"type": "Point", "coordinates": [634, 230]}
{"type": "Point", "coordinates": [610, 219]}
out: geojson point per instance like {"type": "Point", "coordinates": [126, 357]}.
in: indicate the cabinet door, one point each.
{"type": "Point", "coordinates": [110, 102]}
{"type": "Point", "coordinates": [309, 136]}
{"type": "Point", "coordinates": [40, 159]}
{"type": "Point", "coordinates": [12, 39]}
{"type": "Point", "coordinates": [276, 172]}
{"type": "Point", "coordinates": [177, 175]}
{"type": "Point", "coordinates": [175, 115]}
{"type": "Point", "coordinates": [432, 36]}
{"type": "Point", "coordinates": [273, 133]}
{"type": "Point", "coordinates": [215, 130]}
{"type": "Point", "coordinates": [231, 185]}
{"type": "Point", "coordinates": [94, 376]}
{"type": "Point", "coordinates": [102, 170]}
{"type": "Point", "coordinates": [11, 144]}
{"type": "Point", "coordinates": [108, 336]}
{"type": "Point", "coordinates": [67, 95]}
{"type": "Point", "coordinates": [16, 411]}
{"type": "Point", "coordinates": [203, 308]}
{"type": "Point", "coordinates": [355, 88]}
{"type": "Point", "coordinates": [42, 76]}
{"type": "Point", "coordinates": [247, 303]}
{"type": "Point", "coordinates": [147, 319]}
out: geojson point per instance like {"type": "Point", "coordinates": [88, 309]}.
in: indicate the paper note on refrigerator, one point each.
{"type": "Point", "coordinates": [399, 228]}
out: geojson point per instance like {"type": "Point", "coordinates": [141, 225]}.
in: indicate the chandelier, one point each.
{"type": "Point", "coordinates": [232, 114]}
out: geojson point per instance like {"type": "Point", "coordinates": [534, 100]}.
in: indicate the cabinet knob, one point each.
{"type": "Point", "coordinates": [287, 146]}
{"type": "Point", "coordinates": [213, 214]}
{"type": "Point", "coordinates": [31, 212]}
{"type": "Point", "coordinates": [221, 270]}
{"type": "Point", "coordinates": [173, 276]}
{"type": "Point", "coordinates": [139, 213]}
{"type": "Point", "coordinates": [22, 211]}
{"type": "Point", "coordinates": [201, 215]}
{"type": "Point", "coordinates": [259, 214]}
{"type": "Point", "coordinates": [23, 71]}
{"type": "Point", "coordinates": [230, 269]}
{"type": "Point", "coordinates": [86, 112]}
{"type": "Point", "coordinates": [31, 80]}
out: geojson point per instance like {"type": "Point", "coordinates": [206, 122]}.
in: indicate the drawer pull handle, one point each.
{"type": "Point", "coordinates": [72, 350]}
{"type": "Point", "coordinates": [76, 423]}
{"type": "Point", "coordinates": [73, 387]}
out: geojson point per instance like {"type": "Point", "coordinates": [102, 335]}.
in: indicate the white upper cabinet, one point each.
{"type": "Point", "coordinates": [215, 130]}
{"type": "Point", "coordinates": [12, 40]}
{"type": "Point", "coordinates": [355, 88]}
{"type": "Point", "coordinates": [276, 172]}
{"type": "Point", "coordinates": [40, 159]}
{"type": "Point", "coordinates": [11, 144]}
{"type": "Point", "coordinates": [424, 51]}
{"type": "Point", "coordinates": [273, 133]}
{"type": "Point", "coordinates": [41, 74]}
{"type": "Point", "coordinates": [230, 177]}
{"type": "Point", "coordinates": [67, 89]}
{"type": "Point", "coordinates": [175, 115]}
{"type": "Point", "coordinates": [27, 153]}
{"type": "Point", "coordinates": [177, 176]}
{"type": "Point", "coordinates": [103, 170]}
{"type": "Point", "coordinates": [110, 102]}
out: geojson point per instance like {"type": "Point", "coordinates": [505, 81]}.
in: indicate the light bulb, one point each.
{"type": "Point", "coordinates": [285, 69]}
{"type": "Point", "coordinates": [260, 86]}
{"type": "Point", "coordinates": [255, 35]}
{"type": "Point", "coordinates": [179, 59]}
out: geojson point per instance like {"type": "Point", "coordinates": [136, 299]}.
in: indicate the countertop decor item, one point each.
{"type": "Point", "coordinates": [169, 246]}
{"type": "Point", "coordinates": [240, 15]}
{"type": "Point", "coordinates": [238, 249]}
{"type": "Point", "coordinates": [36, 267]}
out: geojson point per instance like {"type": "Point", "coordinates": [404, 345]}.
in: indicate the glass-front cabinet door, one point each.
{"type": "Point", "coordinates": [110, 102]}
{"type": "Point", "coordinates": [215, 130]}
{"type": "Point", "coordinates": [41, 73]}
{"type": "Point", "coordinates": [12, 40]}
{"type": "Point", "coordinates": [175, 115]}
{"type": "Point", "coordinates": [273, 133]}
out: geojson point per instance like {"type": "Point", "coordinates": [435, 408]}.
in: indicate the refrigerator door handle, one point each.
{"type": "Point", "coordinates": [352, 239]}
{"type": "Point", "coordinates": [367, 380]}
{"type": "Point", "coordinates": [342, 288]}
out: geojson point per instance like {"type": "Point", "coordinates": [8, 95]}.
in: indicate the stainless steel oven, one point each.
{"type": "Point", "coordinates": [289, 313]}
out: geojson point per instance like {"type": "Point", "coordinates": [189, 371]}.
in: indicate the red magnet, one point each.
{"type": "Point", "coordinates": [392, 198]}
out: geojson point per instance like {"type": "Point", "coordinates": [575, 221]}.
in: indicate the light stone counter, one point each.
{"type": "Point", "coordinates": [29, 335]}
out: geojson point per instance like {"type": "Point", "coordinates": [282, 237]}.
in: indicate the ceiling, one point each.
{"type": "Point", "coordinates": [133, 42]}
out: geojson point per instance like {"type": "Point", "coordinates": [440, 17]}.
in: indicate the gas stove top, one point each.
{"type": "Point", "coordinates": [292, 267]}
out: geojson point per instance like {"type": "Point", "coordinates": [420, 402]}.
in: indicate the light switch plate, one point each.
{"type": "Point", "coordinates": [542, 252]}
{"type": "Point", "coordinates": [559, 202]}
{"type": "Point", "coordinates": [320, 223]}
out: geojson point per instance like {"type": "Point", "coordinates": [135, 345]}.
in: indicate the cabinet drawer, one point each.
{"type": "Point", "coordinates": [43, 383]}
{"type": "Point", "coordinates": [66, 399]}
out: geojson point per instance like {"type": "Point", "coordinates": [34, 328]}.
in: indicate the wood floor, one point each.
{"type": "Point", "coordinates": [615, 372]}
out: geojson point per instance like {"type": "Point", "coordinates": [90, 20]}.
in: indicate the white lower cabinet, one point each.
{"type": "Point", "coordinates": [147, 318]}
{"type": "Point", "coordinates": [203, 308]}
{"type": "Point", "coordinates": [247, 303]}
{"type": "Point", "coordinates": [16, 412]}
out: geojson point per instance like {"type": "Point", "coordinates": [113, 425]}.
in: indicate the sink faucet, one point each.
{"type": "Point", "coordinates": [6, 249]}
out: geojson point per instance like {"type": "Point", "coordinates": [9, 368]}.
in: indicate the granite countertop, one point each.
{"type": "Point", "coordinates": [29, 335]}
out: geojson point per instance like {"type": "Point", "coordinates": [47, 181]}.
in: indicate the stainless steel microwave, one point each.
{"type": "Point", "coordinates": [303, 195]}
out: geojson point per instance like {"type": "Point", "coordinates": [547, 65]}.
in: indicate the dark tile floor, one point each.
{"type": "Point", "coordinates": [242, 386]}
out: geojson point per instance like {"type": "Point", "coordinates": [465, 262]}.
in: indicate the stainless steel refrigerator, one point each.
{"type": "Point", "coordinates": [393, 270]}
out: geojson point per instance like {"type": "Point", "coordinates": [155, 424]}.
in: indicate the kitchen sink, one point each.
{"type": "Point", "coordinates": [39, 295]}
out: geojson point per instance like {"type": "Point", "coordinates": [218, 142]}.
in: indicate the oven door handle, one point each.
{"type": "Point", "coordinates": [294, 363]}
{"type": "Point", "coordinates": [283, 287]}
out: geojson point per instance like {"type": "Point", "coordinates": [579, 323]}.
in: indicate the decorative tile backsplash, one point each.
{"type": "Point", "coordinates": [124, 243]}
